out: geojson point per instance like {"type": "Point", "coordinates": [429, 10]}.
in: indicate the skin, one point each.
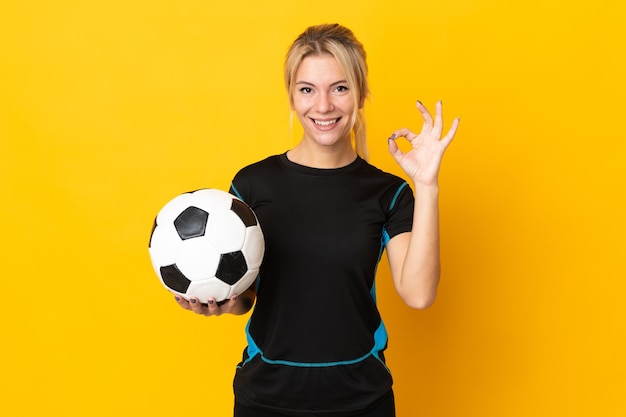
{"type": "Point", "coordinates": [322, 97]}
{"type": "Point", "coordinates": [414, 256]}
{"type": "Point", "coordinates": [324, 106]}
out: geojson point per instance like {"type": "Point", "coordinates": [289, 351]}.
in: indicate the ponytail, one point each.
{"type": "Point", "coordinates": [359, 133]}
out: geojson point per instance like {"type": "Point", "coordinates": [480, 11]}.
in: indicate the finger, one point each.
{"type": "Point", "coordinates": [451, 132]}
{"type": "Point", "coordinates": [196, 306]}
{"type": "Point", "coordinates": [428, 119]}
{"type": "Point", "coordinates": [230, 304]}
{"type": "Point", "coordinates": [182, 302]}
{"type": "Point", "coordinates": [438, 123]}
{"type": "Point", "coordinates": [394, 150]}
{"type": "Point", "coordinates": [213, 308]}
{"type": "Point", "coordinates": [403, 133]}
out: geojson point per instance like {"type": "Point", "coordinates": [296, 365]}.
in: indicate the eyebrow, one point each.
{"type": "Point", "coordinates": [332, 84]}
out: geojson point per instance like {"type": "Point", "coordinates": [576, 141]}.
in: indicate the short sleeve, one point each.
{"type": "Point", "coordinates": [400, 212]}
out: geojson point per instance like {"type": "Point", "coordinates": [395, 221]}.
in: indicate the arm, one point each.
{"type": "Point", "coordinates": [414, 256]}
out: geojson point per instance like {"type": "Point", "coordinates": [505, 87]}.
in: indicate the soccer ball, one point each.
{"type": "Point", "coordinates": [206, 244]}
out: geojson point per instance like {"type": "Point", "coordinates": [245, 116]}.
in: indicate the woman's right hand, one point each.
{"type": "Point", "coordinates": [237, 304]}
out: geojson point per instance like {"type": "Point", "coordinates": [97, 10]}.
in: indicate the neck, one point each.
{"type": "Point", "coordinates": [322, 157]}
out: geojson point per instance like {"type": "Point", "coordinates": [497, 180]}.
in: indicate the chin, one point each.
{"type": "Point", "coordinates": [329, 139]}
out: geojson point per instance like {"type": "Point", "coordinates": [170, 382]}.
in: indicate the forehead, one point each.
{"type": "Point", "coordinates": [319, 69]}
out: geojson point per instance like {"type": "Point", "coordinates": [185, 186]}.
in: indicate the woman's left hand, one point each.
{"type": "Point", "coordinates": [423, 160]}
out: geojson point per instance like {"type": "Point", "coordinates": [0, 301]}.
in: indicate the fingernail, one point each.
{"type": "Point", "coordinates": [392, 137]}
{"type": "Point", "coordinates": [210, 301]}
{"type": "Point", "coordinates": [234, 298]}
{"type": "Point", "coordinates": [419, 102]}
{"type": "Point", "coordinates": [193, 301]}
{"type": "Point", "coordinates": [177, 298]}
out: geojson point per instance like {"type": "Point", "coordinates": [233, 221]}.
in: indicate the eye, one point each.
{"type": "Point", "coordinates": [305, 90]}
{"type": "Point", "coordinates": [342, 89]}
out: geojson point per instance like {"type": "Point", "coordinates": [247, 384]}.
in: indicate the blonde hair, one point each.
{"type": "Point", "coordinates": [341, 43]}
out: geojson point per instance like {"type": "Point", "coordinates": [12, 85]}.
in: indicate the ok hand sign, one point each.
{"type": "Point", "coordinates": [423, 160]}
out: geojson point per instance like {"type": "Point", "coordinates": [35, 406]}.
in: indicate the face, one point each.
{"type": "Point", "coordinates": [323, 102]}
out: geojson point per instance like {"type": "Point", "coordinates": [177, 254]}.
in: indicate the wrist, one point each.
{"type": "Point", "coordinates": [426, 189]}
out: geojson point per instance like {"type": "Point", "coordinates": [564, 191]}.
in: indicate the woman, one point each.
{"type": "Point", "coordinates": [315, 337]}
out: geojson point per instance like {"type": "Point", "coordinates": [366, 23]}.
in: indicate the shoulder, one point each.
{"type": "Point", "coordinates": [366, 168]}
{"type": "Point", "coordinates": [256, 178]}
{"type": "Point", "coordinates": [269, 163]}
{"type": "Point", "coordinates": [398, 195]}
{"type": "Point", "coordinates": [375, 176]}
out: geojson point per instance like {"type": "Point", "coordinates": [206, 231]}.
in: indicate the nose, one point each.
{"type": "Point", "coordinates": [324, 103]}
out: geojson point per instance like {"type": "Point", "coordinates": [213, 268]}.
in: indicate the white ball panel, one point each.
{"type": "Point", "coordinates": [208, 288]}
{"type": "Point", "coordinates": [226, 231]}
{"type": "Point", "coordinates": [197, 259]}
{"type": "Point", "coordinates": [157, 269]}
{"type": "Point", "coordinates": [245, 282]}
{"type": "Point", "coordinates": [164, 245]}
{"type": "Point", "coordinates": [254, 247]}
{"type": "Point", "coordinates": [212, 200]}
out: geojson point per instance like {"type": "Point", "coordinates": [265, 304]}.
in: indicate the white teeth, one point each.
{"type": "Point", "coordinates": [325, 123]}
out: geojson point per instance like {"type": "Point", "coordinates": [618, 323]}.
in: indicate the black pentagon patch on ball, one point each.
{"type": "Point", "coordinates": [244, 212]}
{"type": "Point", "coordinates": [174, 279]}
{"type": "Point", "coordinates": [191, 223]}
{"type": "Point", "coordinates": [232, 267]}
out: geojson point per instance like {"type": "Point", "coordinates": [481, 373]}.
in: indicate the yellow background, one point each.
{"type": "Point", "coordinates": [109, 109]}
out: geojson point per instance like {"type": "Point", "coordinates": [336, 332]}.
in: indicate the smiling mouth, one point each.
{"type": "Point", "coordinates": [325, 122]}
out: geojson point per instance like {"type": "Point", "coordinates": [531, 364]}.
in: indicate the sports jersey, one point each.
{"type": "Point", "coordinates": [315, 336]}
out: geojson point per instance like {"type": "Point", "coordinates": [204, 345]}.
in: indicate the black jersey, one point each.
{"type": "Point", "coordinates": [315, 336]}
